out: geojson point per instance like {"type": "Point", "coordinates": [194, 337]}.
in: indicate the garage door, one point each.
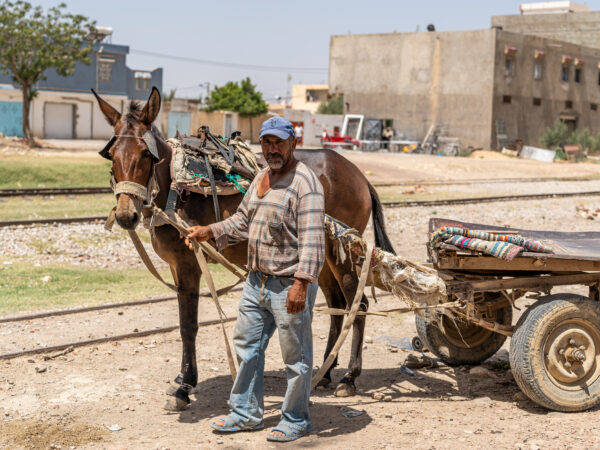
{"type": "Point", "coordinates": [58, 120]}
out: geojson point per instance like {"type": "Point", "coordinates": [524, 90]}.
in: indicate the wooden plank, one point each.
{"type": "Point", "coordinates": [540, 282]}
{"type": "Point", "coordinates": [525, 264]}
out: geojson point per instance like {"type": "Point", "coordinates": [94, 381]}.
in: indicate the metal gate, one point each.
{"type": "Point", "coordinates": [178, 121]}
{"type": "Point", "coordinates": [11, 118]}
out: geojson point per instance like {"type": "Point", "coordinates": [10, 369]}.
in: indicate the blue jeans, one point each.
{"type": "Point", "coordinates": [262, 309]}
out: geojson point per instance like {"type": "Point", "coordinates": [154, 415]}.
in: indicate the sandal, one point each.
{"type": "Point", "coordinates": [289, 434]}
{"type": "Point", "coordinates": [229, 426]}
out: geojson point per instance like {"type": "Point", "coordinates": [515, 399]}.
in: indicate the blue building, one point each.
{"type": "Point", "coordinates": [65, 107]}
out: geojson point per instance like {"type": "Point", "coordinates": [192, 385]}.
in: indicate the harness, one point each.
{"type": "Point", "coordinates": [144, 193]}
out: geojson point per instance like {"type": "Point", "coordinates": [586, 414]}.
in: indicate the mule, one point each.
{"type": "Point", "coordinates": [348, 197]}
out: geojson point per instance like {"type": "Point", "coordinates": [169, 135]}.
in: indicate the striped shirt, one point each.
{"type": "Point", "coordinates": [284, 227]}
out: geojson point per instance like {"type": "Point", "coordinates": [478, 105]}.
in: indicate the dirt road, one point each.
{"type": "Point", "coordinates": [77, 399]}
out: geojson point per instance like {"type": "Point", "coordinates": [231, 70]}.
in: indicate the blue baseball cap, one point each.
{"type": "Point", "coordinates": [277, 126]}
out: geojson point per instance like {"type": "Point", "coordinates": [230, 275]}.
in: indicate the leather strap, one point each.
{"type": "Point", "coordinates": [362, 281]}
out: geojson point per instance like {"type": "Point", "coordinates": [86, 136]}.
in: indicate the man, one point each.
{"type": "Point", "coordinates": [282, 217]}
{"type": "Point", "coordinates": [299, 131]}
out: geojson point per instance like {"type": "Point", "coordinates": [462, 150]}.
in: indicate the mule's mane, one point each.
{"type": "Point", "coordinates": [135, 111]}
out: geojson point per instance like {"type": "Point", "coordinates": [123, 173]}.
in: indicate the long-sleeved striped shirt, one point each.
{"type": "Point", "coordinates": [284, 227]}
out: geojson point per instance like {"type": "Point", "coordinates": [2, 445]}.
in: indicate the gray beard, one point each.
{"type": "Point", "coordinates": [275, 165]}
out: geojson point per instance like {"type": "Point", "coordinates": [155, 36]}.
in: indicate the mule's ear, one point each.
{"type": "Point", "coordinates": [151, 108]}
{"type": "Point", "coordinates": [111, 114]}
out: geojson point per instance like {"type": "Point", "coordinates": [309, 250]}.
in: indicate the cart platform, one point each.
{"type": "Point", "coordinates": [573, 251]}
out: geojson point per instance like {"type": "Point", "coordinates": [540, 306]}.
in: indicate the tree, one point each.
{"type": "Point", "coordinates": [241, 97]}
{"type": "Point", "coordinates": [555, 136]}
{"type": "Point", "coordinates": [33, 41]}
{"type": "Point", "coordinates": [335, 105]}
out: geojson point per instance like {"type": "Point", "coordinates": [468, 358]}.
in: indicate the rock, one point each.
{"type": "Point", "coordinates": [378, 395]}
{"type": "Point", "coordinates": [388, 416]}
{"type": "Point", "coordinates": [115, 427]}
{"type": "Point", "coordinates": [368, 340]}
{"type": "Point", "coordinates": [41, 369]}
{"type": "Point", "coordinates": [219, 441]}
{"type": "Point", "coordinates": [46, 279]}
{"type": "Point", "coordinates": [418, 361]}
{"type": "Point", "coordinates": [387, 398]}
{"type": "Point", "coordinates": [393, 349]}
{"type": "Point", "coordinates": [482, 372]}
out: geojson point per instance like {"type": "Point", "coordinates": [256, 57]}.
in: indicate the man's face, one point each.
{"type": "Point", "coordinates": [277, 151]}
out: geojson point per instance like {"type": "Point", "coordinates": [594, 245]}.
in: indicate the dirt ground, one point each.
{"type": "Point", "coordinates": [111, 395]}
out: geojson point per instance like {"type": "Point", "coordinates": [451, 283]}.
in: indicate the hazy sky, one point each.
{"type": "Point", "coordinates": [292, 36]}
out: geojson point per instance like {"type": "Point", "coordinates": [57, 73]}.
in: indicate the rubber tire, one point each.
{"type": "Point", "coordinates": [434, 339]}
{"type": "Point", "coordinates": [527, 355]}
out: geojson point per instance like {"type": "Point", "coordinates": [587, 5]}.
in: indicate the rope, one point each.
{"type": "Point", "coordinates": [348, 321]}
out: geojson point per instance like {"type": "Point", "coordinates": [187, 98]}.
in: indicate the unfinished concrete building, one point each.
{"type": "Point", "coordinates": [486, 87]}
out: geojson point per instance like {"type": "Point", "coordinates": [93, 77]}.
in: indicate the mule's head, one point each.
{"type": "Point", "coordinates": [130, 155]}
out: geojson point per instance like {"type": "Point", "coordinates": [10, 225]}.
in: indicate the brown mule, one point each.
{"type": "Point", "coordinates": [348, 197]}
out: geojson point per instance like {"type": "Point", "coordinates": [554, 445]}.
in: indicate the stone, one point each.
{"type": "Point", "coordinates": [41, 369]}
{"type": "Point", "coordinates": [368, 340]}
{"type": "Point", "coordinates": [378, 396]}
{"type": "Point", "coordinates": [387, 398]}
{"type": "Point", "coordinates": [388, 416]}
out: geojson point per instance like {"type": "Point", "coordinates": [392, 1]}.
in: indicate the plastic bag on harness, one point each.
{"type": "Point", "coordinates": [233, 165]}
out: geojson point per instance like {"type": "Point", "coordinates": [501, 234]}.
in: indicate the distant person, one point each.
{"type": "Point", "coordinates": [387, 136]}
{"type": "Point", "coordinates": [299, 130]}
{"type": "Point", "coordinates": [324, 136]}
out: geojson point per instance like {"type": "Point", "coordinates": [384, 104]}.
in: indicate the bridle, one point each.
{"type": "Point", "coordinates": [137, 190]}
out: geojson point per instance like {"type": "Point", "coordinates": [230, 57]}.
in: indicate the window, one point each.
{"type": "Point", "coordinates": [537, 71]}
{"type": "Point", "coordinates": [594, 106]}
{"type": "Point", "coordinates": [105, 70]}
{"type": "Point", "coordinates": [568, 104]}
{"type": "Point", "coordinates": [578, 74]}
{"type": "Point", "coordinates": [537, 101]}
{"type": "Point", "coordinates": [509, 66]}
{"type": "Point", "coordinates": [506, 99]}
{"type": "Point", "coordinates": [564, 74]}
{"type": "Point", "coordinates": [142, 84]}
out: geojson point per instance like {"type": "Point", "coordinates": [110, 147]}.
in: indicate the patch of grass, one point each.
{"type": "Point", "coordinates": [22, 287]}
{"type": "Point", "coordinates": [15, 208]}
{"type": "Point", "coordinates": [17, 171]}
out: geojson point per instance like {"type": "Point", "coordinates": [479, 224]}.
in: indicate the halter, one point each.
{"type": "Point", "coordinates": [130, 187]}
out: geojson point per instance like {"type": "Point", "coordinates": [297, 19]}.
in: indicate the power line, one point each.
{"type": "Point", "coordinates": [232, 65]}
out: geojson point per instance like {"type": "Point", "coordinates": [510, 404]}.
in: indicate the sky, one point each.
{"type": "Point", "coordinates": [270, 39]}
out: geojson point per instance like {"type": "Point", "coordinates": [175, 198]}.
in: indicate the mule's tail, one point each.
{"type": "Point", "coordinates": [381, 238]}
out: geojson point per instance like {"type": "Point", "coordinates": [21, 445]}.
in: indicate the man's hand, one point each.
{"type": "Point", "coordinates": [296, 298]}
{"type": "Point", "coordinates": [200, 233]}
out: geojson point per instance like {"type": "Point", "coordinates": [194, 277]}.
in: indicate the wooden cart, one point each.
{"type": "Point", "coordinates": [555, 345]}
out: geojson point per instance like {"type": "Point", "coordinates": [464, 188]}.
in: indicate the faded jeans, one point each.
{"type": "Point", "coordinates": [258, 317]}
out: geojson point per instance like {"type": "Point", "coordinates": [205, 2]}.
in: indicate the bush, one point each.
{"type": "Point", "coordinates": [555, 136]}
{"type": "Point", "coordinates": [335, 105]}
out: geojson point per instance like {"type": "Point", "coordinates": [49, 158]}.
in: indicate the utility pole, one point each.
{"type": "Point", "coordinates": [287, 89]}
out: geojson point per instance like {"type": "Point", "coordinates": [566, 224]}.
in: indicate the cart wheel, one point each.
{"type": "Point", "coordinates": [555, 352]}
{"type": "Point", "coordinates": [457, 341]}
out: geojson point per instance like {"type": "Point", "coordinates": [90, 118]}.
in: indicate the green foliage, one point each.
{"type": "Point", "coordinates": [33, 41]}
{"type": "Point", "coordinates": [170, 96]}
{"type": "Point", "coordinates": [585, 139]}
{"type": "Point", "coordinates": [241, 97]}
{"type": "Point", "coordinates": [555, 136]}
{"type": "Point", "coordinates": [335, 105]}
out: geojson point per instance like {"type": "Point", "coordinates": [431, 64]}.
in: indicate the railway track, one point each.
{"type": "Point", "coordinates": [399, 204]}
{"type": "Point", "coordinates": [54, 191]}
{"type": "Point", "coordinates": [31, 192]}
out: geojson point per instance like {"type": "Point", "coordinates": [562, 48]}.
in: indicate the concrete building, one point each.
{"type": "Point", "coordinates": [65, 108]}
{"type": "Point", "coordinates": [562, 21]}
{"type": "Point", "coordinates": [486, 87]}
{"type": "Point", "coordinates": [308, 97]}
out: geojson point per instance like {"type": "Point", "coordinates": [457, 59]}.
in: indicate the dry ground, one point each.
{"type": "Point", "coordinates": [73, 400]}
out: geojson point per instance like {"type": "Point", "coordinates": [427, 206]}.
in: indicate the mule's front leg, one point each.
{"type": "Point", "coordinates": [188, 327]}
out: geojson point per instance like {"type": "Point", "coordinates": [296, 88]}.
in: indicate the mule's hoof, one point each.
{"type": "Point", "coordinates": [323, 383]}
{"type": "Point", "coordinates": [345, 390]}
{"type": "Point", "coordinates": [176, 404]}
